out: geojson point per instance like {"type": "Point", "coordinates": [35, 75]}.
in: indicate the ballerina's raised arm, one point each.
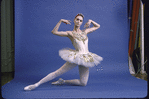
{"type": "Point", "coordinates": [60, 33]}
{"type": "Point", "coordinates": [95, 26]}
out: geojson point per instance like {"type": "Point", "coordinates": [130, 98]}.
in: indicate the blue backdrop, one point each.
{"type": "Point", "coordinates": [36, 49]}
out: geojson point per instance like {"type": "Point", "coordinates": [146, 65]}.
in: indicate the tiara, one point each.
{"type": "Point", "coordinates": [80, 14]}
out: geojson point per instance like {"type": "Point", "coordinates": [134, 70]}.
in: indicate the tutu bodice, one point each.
{"type": "Point", "coordinates": [81, 54]}
{"type": "Point", "coordinates": [80, 42]}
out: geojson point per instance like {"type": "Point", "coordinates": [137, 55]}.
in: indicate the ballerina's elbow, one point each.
{"type": "Point", "coordinates": [98, 26]}
{"type": "Point", "coordinates": [53, 32]}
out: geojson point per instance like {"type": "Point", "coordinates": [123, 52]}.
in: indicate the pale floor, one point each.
{"type": "Point", "coordinates": [141, 76]}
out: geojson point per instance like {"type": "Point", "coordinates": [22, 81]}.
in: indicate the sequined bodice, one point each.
{"type": "Point", "coordinates": [80, 42]}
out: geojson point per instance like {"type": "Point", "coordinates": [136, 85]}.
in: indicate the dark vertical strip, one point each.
{"type": "Point", "coordinates": [132, 26]}
{"type": "Point", "coordinates": [146, 32]}
{"type": "Point", "coordinates": [135, 14]}
{"type": "Point", "coordinates": [135, 25]}
{"type": "Point", "coordinates": [129, 12]}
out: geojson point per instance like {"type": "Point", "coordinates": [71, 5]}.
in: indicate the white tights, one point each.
{"type": "Point", "coordinates": [83, 71]}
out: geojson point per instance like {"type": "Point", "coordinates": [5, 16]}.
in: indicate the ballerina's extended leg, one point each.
{"type": "Point", "coordinates": [66, 67]}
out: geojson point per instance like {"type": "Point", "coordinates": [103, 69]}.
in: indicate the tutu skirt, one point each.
{"type": "Point", "coordinates": [85, 59]}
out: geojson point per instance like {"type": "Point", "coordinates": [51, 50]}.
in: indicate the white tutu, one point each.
{"type": "Point", "coordinates": [81, 55]}
{"type": "Point", "coordinates": [86, 59]}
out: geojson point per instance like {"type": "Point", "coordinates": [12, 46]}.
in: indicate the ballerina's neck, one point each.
{"type": "Point", "coordinates": [77, 29]}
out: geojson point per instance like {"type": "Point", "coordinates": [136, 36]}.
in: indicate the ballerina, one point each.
{"type": "Point", "coordinates": [80, 56]}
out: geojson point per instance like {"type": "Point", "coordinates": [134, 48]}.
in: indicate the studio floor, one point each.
{"type": "Point", "coordinates": [8, 76]}
{"type": "Point", "coordinates": [100, 85]}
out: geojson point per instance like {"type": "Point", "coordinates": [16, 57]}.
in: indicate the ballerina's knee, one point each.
{"type": "Point", "coordinates": [83, 83]}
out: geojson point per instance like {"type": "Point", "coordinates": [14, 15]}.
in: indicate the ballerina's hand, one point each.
{"type": "Point", "coordinates": [87, 24]}
{"type": "Point", "coordinates": [66, 21]}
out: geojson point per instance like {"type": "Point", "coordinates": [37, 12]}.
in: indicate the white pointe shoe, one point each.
{"type": "Point", "coordinates": [30, 87]}
{"type": "Point", "coordinates": [59, 82]}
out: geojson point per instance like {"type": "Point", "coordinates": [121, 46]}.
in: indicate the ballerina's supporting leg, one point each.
{"type": "Point", "coordinates": [84, 74]}
{"type": "Point", "coordinates": [66, 67]}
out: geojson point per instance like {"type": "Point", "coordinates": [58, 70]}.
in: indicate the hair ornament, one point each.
{"type": "Point", "coordinates": [80, 14]}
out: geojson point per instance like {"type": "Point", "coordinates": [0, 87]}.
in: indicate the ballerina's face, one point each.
{"type": "Point", "coordinates": [78, 21]}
